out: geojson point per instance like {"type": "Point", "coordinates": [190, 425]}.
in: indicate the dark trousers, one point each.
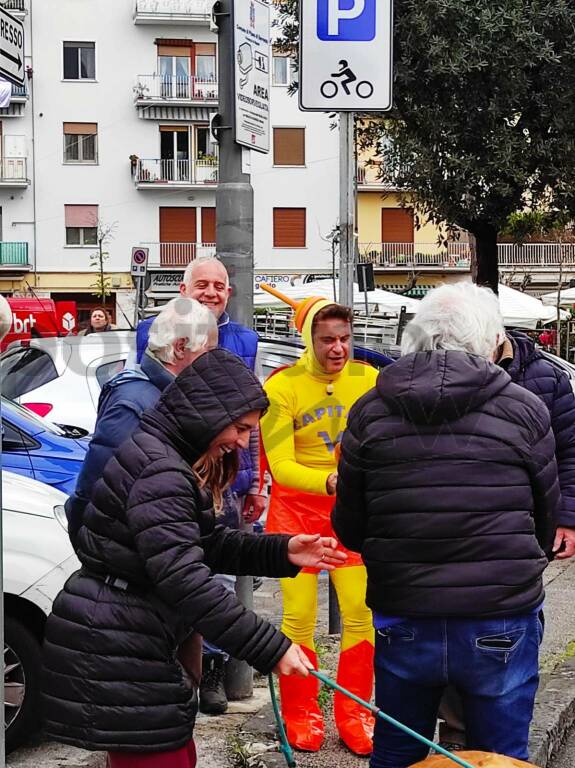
{"type": "Point", "coordinates": [492, 663]}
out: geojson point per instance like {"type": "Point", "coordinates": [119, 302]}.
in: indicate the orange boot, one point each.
{"type": "Point", "coordinates": [355, 673]}
{"type": "Point", "coordinates": [301, 714]}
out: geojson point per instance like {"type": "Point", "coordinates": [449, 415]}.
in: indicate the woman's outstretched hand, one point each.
{"type": "Point", "coordinates": [293, 662]}
{"type": "Point", "coordinates": [315, 551]}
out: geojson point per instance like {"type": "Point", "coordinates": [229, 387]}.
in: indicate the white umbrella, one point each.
{"type": "Point", "coordinates": [383, 301]}
{"type": "Point", "coordinates": [522, 310]}
{"type": "Point", "coordinates": [567, 298]}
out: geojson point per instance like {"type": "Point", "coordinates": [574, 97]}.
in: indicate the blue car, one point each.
{"type": "Point", "coordinates": [36, 448]}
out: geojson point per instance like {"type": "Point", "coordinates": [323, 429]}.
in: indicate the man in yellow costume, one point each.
{"type": "Point", "coordinates": [309, 405]}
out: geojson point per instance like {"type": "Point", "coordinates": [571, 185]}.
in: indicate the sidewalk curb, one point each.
{"type": "Point", "coordinates": [553, 717]}
{"type": "Point", "coordinates": [554, 714]}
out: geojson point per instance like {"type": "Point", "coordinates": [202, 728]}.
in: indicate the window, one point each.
{"type": "Point", "coordinates": [289, 146]}
{"type": "Point", "coordinates": [289, 228]}
{"type": "Point", "coordinates": [27, 368]}
{"type": "Point", "coordinates": [281, 74]}
{"type": "Point", "coordinates": [81, 224]}
{"type": "Point", "coordinates": [80, 142]}
{"type": "Point", "coordinates": [79, 61]}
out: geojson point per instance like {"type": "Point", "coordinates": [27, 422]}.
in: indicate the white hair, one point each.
{"type": "Point", "coordinates": [189, 273]}
{"type": "Point", "coordinates": [462, 317]}
{"type": "Point", "coordinates": [181, 318]}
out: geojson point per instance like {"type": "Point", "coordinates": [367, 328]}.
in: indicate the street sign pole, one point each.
{"type": "Point", "coordinates": [346, 207]}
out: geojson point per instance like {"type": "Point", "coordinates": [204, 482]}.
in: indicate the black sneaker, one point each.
{"type": "Point", "coordinates": [213, 699]}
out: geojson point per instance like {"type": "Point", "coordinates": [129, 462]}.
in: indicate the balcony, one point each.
{"type": "Point", "coordinates": [14, 257]}
{"type": "Point", "coordinates": [368, 177]}
{"type": "Point", "coordinates": [165, 89]}
{"type": "Point", "coordinates": [177, 255]}
{"type": "Point", "coordinates": [431, 256]}
{"type": "Point", "coordinates": [536, 257]}
{"type": "Point", "coordinates": [13, 172]}
{"type": "Point", "coordinates": [15, 7]}
{"type": "Point", "coordinates": [182, 174]}
{"type": "Point", "coordinates": [186, 12]}
{"type": "Point", "coordinates": [19, 94]}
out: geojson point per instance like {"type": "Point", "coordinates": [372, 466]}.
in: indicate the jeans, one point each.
{"type": "Point", "coordinates": [492, 663]}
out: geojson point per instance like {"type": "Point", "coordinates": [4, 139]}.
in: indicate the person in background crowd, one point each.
{"type": "Point", "coordinates": [148, 544]}
{"type": "Point", "coordinates": [99, 322]}
{"type": "Point", "coordinates": [309, 405]}
{"type": "Point", "coordinates": [206, 280]}
{"type": "Point", "coordinates": [527, 366]}
{"type": "Point", "coordinates": [182, 332]}
{"type": "Point", "coordinates": [448, 487]}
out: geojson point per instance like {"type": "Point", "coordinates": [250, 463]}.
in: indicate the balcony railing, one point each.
{"type": "Point", "coordinates": [165, 88]}
{"type": "Point", "coordinates": [13, 254]}
{"type": "Point", "coordinates": [397, 255]}
{"type": "Point", "coordinates": [19, 92]}
{"type": "Point", "coordinates": [368, 174]}
{"type": "Point", "coordinates": [536, 255]}
{"type": "Point", "coordinates": [172, 11]}
{"type": "Point", "coordinates": [173, 255]}
{"type": "Point", "coordinates": [13, 170]}
{"type": "Point", "coordinates": [176, 172]}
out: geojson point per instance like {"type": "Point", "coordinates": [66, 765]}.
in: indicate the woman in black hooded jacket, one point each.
{"type": "Point", "coordinates": [148, 546]}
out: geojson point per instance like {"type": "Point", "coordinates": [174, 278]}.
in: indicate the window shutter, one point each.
{"type": "Point", "coordinates": [81, 215]}
{"type": "Point", "coordinates": [289, 146]}
{"type": "Point", "coordinates": [397, 225]}
{"type": "Point", "coordinates": [205, 49]}
{"type": "Point", "coordinates": [83, 129]}
{"type": "Point", "coordinates": [177, 225]}
{"type": "Point", "coordinates": [289, 227]}
{"type": "Point", "coordinates": [208, 225]}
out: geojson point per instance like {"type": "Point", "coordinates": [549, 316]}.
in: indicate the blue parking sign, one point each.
{"type": "Point", "coordinates": [346, 20]}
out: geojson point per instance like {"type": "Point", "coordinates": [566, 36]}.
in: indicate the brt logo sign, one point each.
{"type": "Point", "coordinates": [346, 20]}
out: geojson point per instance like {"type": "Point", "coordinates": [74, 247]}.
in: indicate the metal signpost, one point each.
{"type": "Point", "coordinates": [346, 66]}
{"type": "Point", "coordinates": [11, 48]}
{"type": "Point", "coordinates": [242, 124]}
{"type": "Point", "coordinates": [138, 270]}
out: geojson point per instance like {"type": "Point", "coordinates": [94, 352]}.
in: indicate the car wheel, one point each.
{"type": "Point", "coordinates": [22, 668]}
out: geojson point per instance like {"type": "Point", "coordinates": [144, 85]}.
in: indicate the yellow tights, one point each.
{"type": "Point", "coordinates": [300, 607]}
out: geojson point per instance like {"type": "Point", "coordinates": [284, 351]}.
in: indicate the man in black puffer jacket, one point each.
{"type": "Point", "coordinates": [528, 367]}
{"type": "Point", "coordinates": [448, 487]}
{"type": "Point", "coordinates": [149, 545]}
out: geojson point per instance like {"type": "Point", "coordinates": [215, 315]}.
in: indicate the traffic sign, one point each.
{"type": "Point", "coordinates": [11, 48]}
{"type": "Point", "coordinates": [346, 55]}
{"type": "Point", "coordinates": [139, 262]}
{"type": "Point", "coordinates": [252, 40]}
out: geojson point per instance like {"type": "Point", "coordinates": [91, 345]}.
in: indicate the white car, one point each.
{"type": "Point", "coordinates": [38, 558]}
{"type": "Point", "coordinates": [61, 378]}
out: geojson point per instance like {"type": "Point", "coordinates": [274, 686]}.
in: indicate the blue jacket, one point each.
{"type": "Point", "coordinates": [243, 342]}
{"type": "Point", "coordinates": [531, 370]}
{"type": "Point", "coordinates": [122, 402]}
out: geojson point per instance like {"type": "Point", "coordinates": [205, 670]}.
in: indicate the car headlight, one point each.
{"type": "Point", "coordinates": [60, 515]}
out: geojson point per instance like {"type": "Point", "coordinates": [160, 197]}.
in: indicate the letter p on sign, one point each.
{"type": "Point", "coordinates": [346, 20]}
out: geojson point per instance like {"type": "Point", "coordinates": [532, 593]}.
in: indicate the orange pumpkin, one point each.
{"type": "Point", "coordinates": [477, 759]}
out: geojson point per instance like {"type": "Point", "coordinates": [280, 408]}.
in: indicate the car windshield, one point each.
{"type": "Point", "coordinates": [9, 406]}
{"type": "Point", "coordinates": [25, 369]}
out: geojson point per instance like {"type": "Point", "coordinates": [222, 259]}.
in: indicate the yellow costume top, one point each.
{"type": "Point", "coordinates": [308, 414]}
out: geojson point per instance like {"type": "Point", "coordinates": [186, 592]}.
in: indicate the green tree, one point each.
{"type": "Point", "coordinates": [484, 111]}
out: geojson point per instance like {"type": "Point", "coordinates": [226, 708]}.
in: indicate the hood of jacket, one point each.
{"type": "Point", "coordinates": [524, 353]}
{"type": "Point", "coordinates": [208, 396]}
{"type": "Point", "coordinates": [434, 387]}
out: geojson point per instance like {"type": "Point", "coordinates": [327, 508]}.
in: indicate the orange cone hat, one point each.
{"type": "Point", "coordinates": [301, 308]}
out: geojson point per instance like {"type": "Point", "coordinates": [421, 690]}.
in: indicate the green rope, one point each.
{"type": "Point", "coordinates": [284, 744]}
{"type": "Point", "coordinates": [378, 713]}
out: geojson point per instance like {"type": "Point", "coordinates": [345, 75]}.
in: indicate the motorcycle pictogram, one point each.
{"type": "Point", "coordinates": [329, 88]}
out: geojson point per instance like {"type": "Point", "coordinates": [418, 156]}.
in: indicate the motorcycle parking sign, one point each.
{"type": "Point", "coordinates": [346, 55]}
